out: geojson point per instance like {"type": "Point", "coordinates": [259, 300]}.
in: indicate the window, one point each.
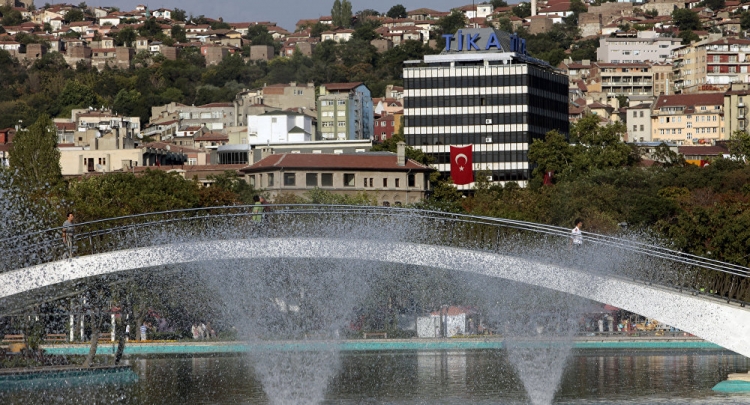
{"type": "Point", "coordinates": [411, 180]}
{"type": "Point", "coordinates": [341, 102]}
{"type": "Point", "coordinates": [341, 113]}
{"type": "Point", "coordinates": [270, 179]}
{"type": "Point", "coordinates": [326, 180]}
{"type": "Point", "coordinates": [641, 114]}
{"type": "Point", "coordinates": [348, 179]}
{"type": "Point", "coordinates": [327, 124]}
{"type": "Point", "coordinates": [251, 180]}
{"type": "Point", "coordinates": [397, 183]}
{"type": "Point", "coordinates": [635, 128]}
{"type": "Point", "coordinates": [635, 114]}
{"type": "Point", "coordinates": [689, 124]}
{"type": "Point", "coordinates": [290, 179]}
{"type": "Point", "coordinates": [385, 182]}
{"type": "Point", "coordinates": [341, 123]}
{"type": "Point", "coordinates": [641, 127]}
{"type": "Point", "coordinates": [311, 179]}
{"type": "Point", "coordinates": [371, 182]}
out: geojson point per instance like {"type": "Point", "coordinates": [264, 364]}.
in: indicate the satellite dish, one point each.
{"type": "Point", "coordinates": [140, 135]}
{"type": "Point", "coordinates": [100, 168]}
{"type": "Point", "coordinates": [98, 134]}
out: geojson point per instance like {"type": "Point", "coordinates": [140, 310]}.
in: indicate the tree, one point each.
{"type": "Point", "coordinates": [714, 5]}
{"type": "Point", "coordinates": [498, 3]}
{"type": "Point", "coordinates": [10, 16]}
{"type": "Point", "coordinates": [397, 11]}
{"type": "Point", "coordinates": [686, 19]}
{"type": "Point", "coordinates": [745, 20]}
{"type": "Point", "coordinates": [35, 157]}
{"type": "Point", "coordinates": [178, 33]}
{"type": "Point", "coordinates": [77, 94]}
{"type": "Point", "coordinates": [739, 146]}
{"type": "Point", "coordinates": [73, 15]}
{"type": "Point", "coordinates": [341, 13]}
{"type": "Point", "coordinates": [449, 25]}
{"type": "Point", "coordinates": [178, 14]}
{"type": "Point", "coordinates": [126, 36]}
{"type": "Point", "coordinates": [522, 10]}
{"type": "Point", "coordinates": [150, 28]}
{"type": "Point", "coordinates": [688, 36]}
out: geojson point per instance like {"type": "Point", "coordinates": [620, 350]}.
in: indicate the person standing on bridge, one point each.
{"type": "Point", "coordinates": [68, 233]}
{"type": "Point", "coordinates": [576, 238]}
{"type": "Point", "coordinates": [257, 209]}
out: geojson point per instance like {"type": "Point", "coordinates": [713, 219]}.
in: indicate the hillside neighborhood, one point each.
{"type": "Point", "coordinates": [672, 72]}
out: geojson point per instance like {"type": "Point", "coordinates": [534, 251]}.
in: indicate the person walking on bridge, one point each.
{"type": "Point", "coordinates": [68, 233]}
{"type": "Point", "coordinates": [576, 237]}
{"type": "Point", "coordinates": [257, 209]}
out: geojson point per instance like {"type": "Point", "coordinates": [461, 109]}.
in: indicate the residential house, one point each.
{"type": "Point", "coordinates": [638, 122]}
{"type": "Point", "coordinates": [642, 47]}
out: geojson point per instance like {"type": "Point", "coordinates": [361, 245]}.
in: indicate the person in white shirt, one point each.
{"type": "Point", "coordinates": [576, 238]}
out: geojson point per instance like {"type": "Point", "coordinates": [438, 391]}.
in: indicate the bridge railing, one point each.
{"type": "Point", "coordinates": [617, 256]}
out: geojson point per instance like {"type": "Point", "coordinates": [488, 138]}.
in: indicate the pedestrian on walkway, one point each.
{"type": "Point", "coordinates": [68, 233]}
{"type": "Point", "coordinates": [576, 238]}
{"type": "Point", "coordinates": [257, 209]}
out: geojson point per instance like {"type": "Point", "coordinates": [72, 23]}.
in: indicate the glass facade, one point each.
{"type": "Point", "coordinates": [499, 108]}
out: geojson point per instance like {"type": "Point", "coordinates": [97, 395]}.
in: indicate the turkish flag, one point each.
{"type": "Point", "coordinates": [461, 168]}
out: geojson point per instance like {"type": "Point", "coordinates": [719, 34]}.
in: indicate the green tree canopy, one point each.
{"type": "Point", "coordinates": [449, 25]}
{"type": "Point", "coordinates": [74, 14]}
{"type": "Point", "coordinates": [686, 19]}
{"type": "Point", "coordinates": [77, 94]}
{"type": "Point", "coordinates": [498, 3]}
{"type": "Point", "coordinates": [522, 10]}
{"type": "Point", "coordinates": [35, 157]}
{"type": "Point", "coordinates": [341, 13]}
{"type": "Point", "coordinates": [179, 14]}
{"type": "Point", "coordinates": [397, 11]}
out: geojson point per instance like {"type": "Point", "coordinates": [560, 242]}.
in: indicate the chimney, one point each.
{"type": "Point", "coordinates": [401, 154]}
{"type": "Point", "coordinates": [533, 8]}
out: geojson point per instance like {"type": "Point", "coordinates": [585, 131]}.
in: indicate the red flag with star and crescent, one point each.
{"type": "Point", "coordinates": [461, 168]}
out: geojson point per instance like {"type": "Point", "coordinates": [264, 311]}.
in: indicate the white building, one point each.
{"type": "Point", "coordinates": [279, 127]}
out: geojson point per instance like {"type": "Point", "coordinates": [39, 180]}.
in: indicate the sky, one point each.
{"type": "Point", "coordinates": [285, 13]}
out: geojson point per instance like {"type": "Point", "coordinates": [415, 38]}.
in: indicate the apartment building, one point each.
{"type": "Point", "coordinates": [643, 47]}
{"type": "Point", "coordinates": [713, 62]}
{"type": "Point", "coordinates": [345, 111]}
{"type": "Point", "coordinates": [736, 100]}
{"type": "Point", "coordinates": [688, 118]}
{"type": "Point", "coordinates": [613, 79]}
{"type": "Point", "coordinates": [214, 116]}
{"type": "Point", "coordinates": [638, 122]}
{"type": "Point", "coordinates": [278, 96]}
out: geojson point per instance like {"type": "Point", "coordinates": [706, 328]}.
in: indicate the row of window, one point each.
{"type": "Point", "coordinates": [466, 101]}
{"type": "Point", "coordinates": [466, 138]}
{"type": "Point", "coordinates": [465, 81]}
{"type": "Point", "coordinates": [498, 156]}
{"type": "Point", "coordinates": [678, 131]}
{"type": "Point", "coordinates": [340, 113]}
{"type": "Point", "coordinates": [327, 124]}
{"type": "Point", "coordinates": [468, 119]}
{"type": "Point", "coordinates": [329, 103]}
{"type": "Point", "coordinates": [289, 179]}
{"type": "Point", "coordinates": [698, 118]}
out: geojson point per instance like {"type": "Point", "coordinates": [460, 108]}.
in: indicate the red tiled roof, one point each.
{"type": "Point", "coordinates": [66, 126]}
{"type": "Point", "coordinates": [341, 86]}
{"type": "Point", "coordinates": [211, 105]}
{"type": "Point", "coordinates": [358, 161]}
{"type": "Point", "coordinates": [702, 150]}
{"type": "Point", "coordinates": [689, 100]}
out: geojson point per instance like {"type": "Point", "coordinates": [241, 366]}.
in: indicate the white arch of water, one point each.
{"type": "Point", "coordinates": [725, 325]}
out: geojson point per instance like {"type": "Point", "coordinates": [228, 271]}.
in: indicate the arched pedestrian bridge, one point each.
{"type": "Point", "coordinates": [641, 278]}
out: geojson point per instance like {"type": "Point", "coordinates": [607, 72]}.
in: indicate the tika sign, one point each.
{"type": "Point", "coordinates": [462, 168]}
{"type": "Point", "coordinates": [485, 39]}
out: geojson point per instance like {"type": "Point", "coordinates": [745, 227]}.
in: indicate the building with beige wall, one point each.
{"type": "Point", "coordinates": [276, 96]}
{"type": "Point", "coordinates": [687, 119]}
{"type": "Point", "coordinates": [736, 100]}
{"type": "Point", "coordinates": [712, 64]}
{"type": "Point", "coordinates": [390, 179]}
